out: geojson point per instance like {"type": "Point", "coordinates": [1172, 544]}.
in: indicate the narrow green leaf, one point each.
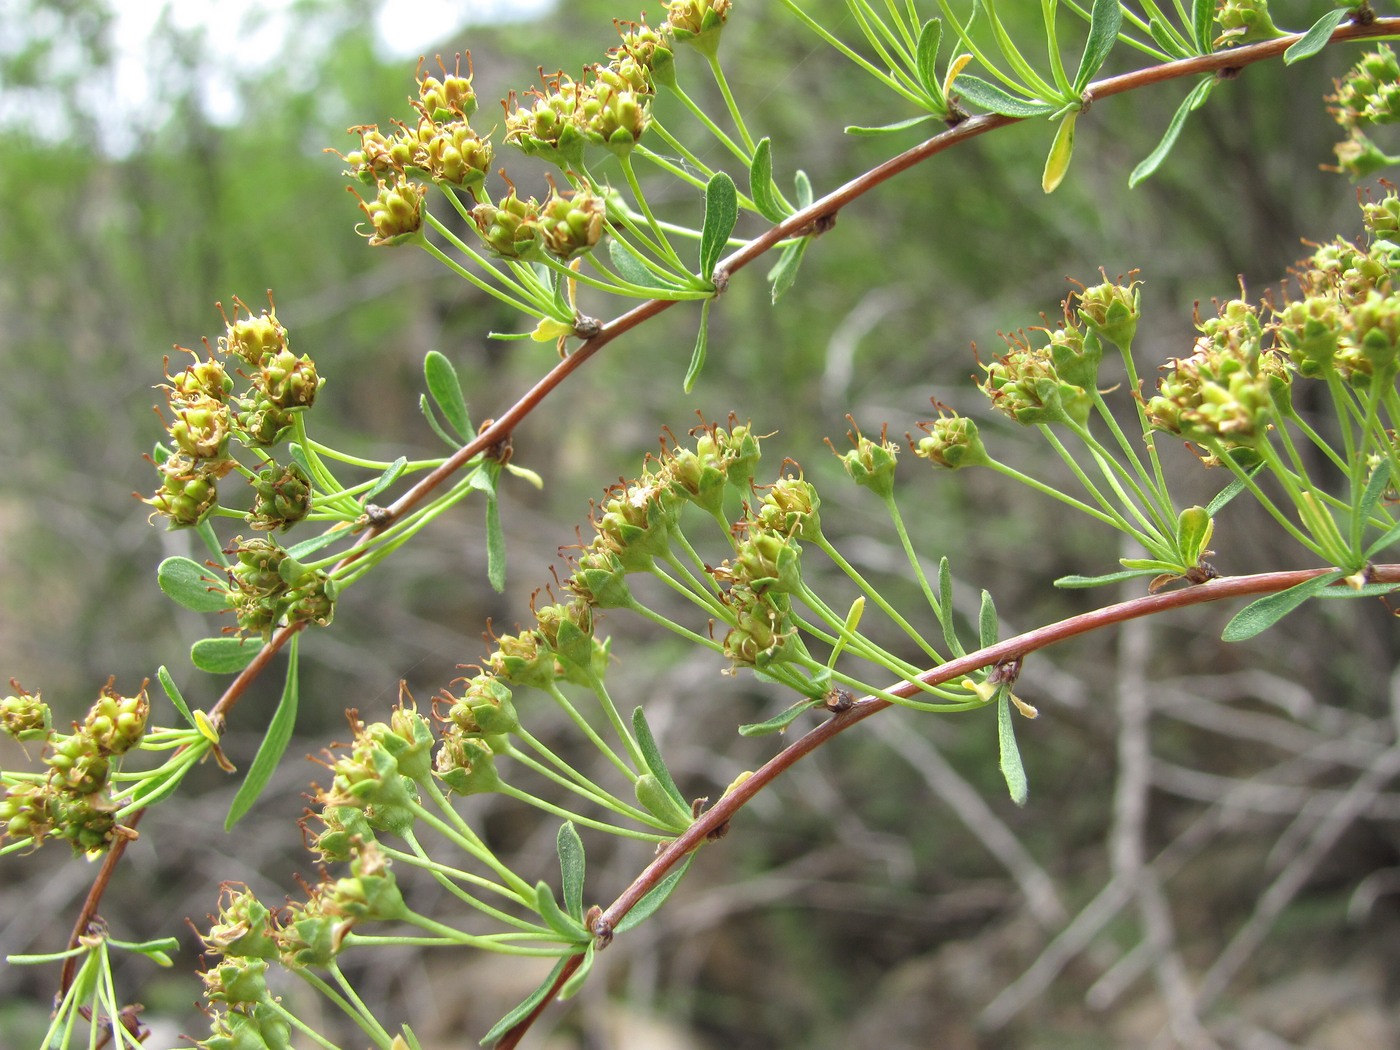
{"type": "Point", "coordinates": [168, 684]}
{"type": "Point", "coordinates": [446, 391]}
{"type": "Point", "coordinates": [651, 754]}
{"type": "Point", "coordinates": [1061, 150]}
{"type": "Point", "coordinates": [158, 951]}
{"type": "Point", "coordinates": [571, 867]}
{"type": "Point", "coordinates": [556, 918]}
{"type": "Point", "coordinates": [721, 213]}
{"type": "Point", "coordinates": [784, 271]}
{"type": "Point", "coordinates": [632, 270]}
{"type": "Point", "coordinates": [1225, 495]}
{"type": "Point", "coordinates": [926, 58]}
{"type": "Point", "coordinates": [1203, 24]}
{"type": "Point", "coordinates": [1167, 40]}
{"type": "Point", "coordinates": [1012, 771]}
{"type": "Point", "coordinates": [1376, 485]}
{"type": "Point", "coordinates": [778, 722]}
{"type": "Point", "coordinates": [224, 655]}
{"type": "Point", "coordinates": [992, 98]}
{"type": "Point", "coordinates": [697, 356]}
{"type": "Point", "coordinates": [1149, 565]}
{"type": "Point", "coordinates": [762, 188]}
{"type": "Point", "coordinates": [1366, 590]}
{"type": "Point", "coordinates": [391, 474]}
{"type": "Point", "coordinates": [803, 187]}
{"type": "Point", "coordinates": [1074, 582]}
{"type": "Point", "coordinates": [1193, 101]}
{"type": "Point", "coordinates": [1315, 39]}
{"type": "Point", "coordinates": [576, 979]}
{"type": "Point", "coordinates": [889, 129]}
{"type": "Point", "coordinates": [188, 583]}
{"type": "Point", "coordinates": [431, 416]}
{"type": "Point", "coordinates": [1260, 615]}
{"type": "Point", "coordinates": [273, 746]}
{"type": "Point", "coordinates": [495, 535]}
{"type": "Point", "coordinates": [654, 898]}
{"type": "Point", "coordinates": [299, 457]}
{"type": "Point", "coordinates": [1387, 538]}
{"type": "Point", "coordinates": [657, 801]}
{"type": "Point", "coordinates": [1105, 19]}
{"type": "Point", "coordinates": [945, 602]}
{"type": "Point", "coordinates": [315, 543]}
{"type": "Point", "coordinates": [524, 1008]}
{"type": "Point", "coordinates": [988, 626]}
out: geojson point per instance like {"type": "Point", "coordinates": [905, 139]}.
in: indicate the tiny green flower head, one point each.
{"type": "Point", "coordinates": [790, 508]}
{"type": "Point", "coordinates": [1243, 22]}
{"type": "Point", "coordinates": [510, 227]}
{"type": "Point", "coordinates": [456, 155]}
{"type": "Point", "coordinates": [396, 213]}
{"type": "Point", "coordinates": [24, 716]}
{"type": "Point", "coordinates": [1025, 385]}
{"type": "Point", "coordinates": [547, 127]}
{"type": "Point", "coordinates": [116, 723]}
{"type": "Point", "coordinates": [243, 927]}
{"type": "Point", "coordinates": [950, 441]}
{"type": "Point", "coordinates": [187, 495]}
{"type": "Point", "coordinates": [871, 464]}
{"type": "Point", "coordinates": [698, 22]}
{"type": "Point", "coordinates": [1111, 310]}
{"type": "Point", "coordinates": [254, 337]}
{"type": "Point", "coordinates": [449, 98]}
{"type": "Point", "coordinates": [282, 497]}
{"type": "Point", "coordinates": [485, 708]}
{"type": "Point", "coordinates": [572, 223]}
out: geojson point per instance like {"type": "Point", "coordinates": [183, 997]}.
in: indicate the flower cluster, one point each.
{"type": "Point", "coordinates": [207, 419]}
{"type": "Point", "coordinates": [1368, 95]}
{"type": "Point", "coordinates": [267, 588]}
{"type": "Point", "coordinates": [1050, 383]}
{"type": "Point", "coordinates": [73, 801]}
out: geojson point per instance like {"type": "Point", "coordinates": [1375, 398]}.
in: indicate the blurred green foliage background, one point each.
{"type": "Point", "coordinates": [858, 907]}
